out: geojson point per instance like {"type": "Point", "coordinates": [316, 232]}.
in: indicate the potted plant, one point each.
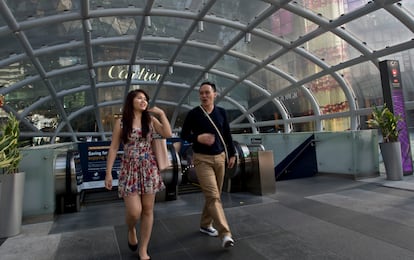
{"type": "Point", "coordinates": [387, 123]}
{"type": "Point", "coordinates": [11, 179]}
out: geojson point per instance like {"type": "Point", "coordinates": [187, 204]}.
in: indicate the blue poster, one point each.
{"type": "Point", "coordinates": [93, 157]}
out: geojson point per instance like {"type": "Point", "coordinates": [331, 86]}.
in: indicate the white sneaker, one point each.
{"type": "Point", "coordinates": [209, 231]}
{"type": "Point", "coordinates": [227, 242]}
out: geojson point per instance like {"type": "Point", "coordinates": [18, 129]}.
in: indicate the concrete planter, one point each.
{"type": "Point", "coordinates": [391, 155]}
{"type": "Point", "coordinates": [11, 203]}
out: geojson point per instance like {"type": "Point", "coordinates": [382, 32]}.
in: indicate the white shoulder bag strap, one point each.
{"type": "Point", "coordinates": [221, 137]}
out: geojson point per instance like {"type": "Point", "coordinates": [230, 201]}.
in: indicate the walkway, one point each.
{"type": "Point", "coordinates": [323, 217]}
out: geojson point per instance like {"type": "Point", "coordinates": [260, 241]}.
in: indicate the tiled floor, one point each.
{"type": "Point", "coordinates": [323, 217]}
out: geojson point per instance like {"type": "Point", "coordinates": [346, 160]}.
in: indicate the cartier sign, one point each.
{"type": "Point", "coordinates": [121, 72]}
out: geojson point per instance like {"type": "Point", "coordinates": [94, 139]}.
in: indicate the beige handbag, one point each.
{"type": "Point", "coordinates": [159, 147]}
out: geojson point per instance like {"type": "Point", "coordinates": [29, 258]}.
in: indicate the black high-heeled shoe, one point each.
{"type": "Point", "coordinates": [133, 247]}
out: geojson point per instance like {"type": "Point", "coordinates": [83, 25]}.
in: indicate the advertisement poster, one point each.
{"type": "Point", "coordinates": [93, 164]}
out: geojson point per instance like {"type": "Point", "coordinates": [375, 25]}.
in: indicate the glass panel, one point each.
{"type": "Point", "coordinates": [351, 5]}
{"type": "Point", "coordinates": [85, 122]}
{"type": "Point", "coordinates": [296, 65]}
{"type": "Point", "coordinates": [39, 36]}
{"type": "Point", "coordinates": [365, 81]}
{"type": "Point", "coordinates": [65, 129]}
{"type": "Point", "coordinates": [407, 74]}
{"type": "Point", "coordinates": [181, 75]}
{"type": "Point", "coordinates": [98, 4]}
{"type": "Point", "coordinates": [408, 85]}
{"type": "Point", "coordinates": [379, 29]}
{"type": "Point", "coordinates": [159, 51]}
{"type": "Point", "coordinates": [222, 83]}
{"type": "Point", "coordinates": [148, 88]}
{"type": "Point", "coordinates": [70, 80]}
{"type": "Point", "coordinates": [233, 65]}
{"type": "Point", "coordinates": [110, 94]}
{"type": "Point", "coordinates": [44, 122]}
{"type": "Point", "coordinates": [168, 27]}
{"type": "Point", "coordinates": [287, 25]}
{"type": "Point", "coordinates": [259, 47]}
{"type": "Point", "coordinates": [45, 112]}
{"type": "Point", "coordinates": [408, 5]}
{"type": "Point", "coordinates": [193, 5]}
{"type": "Point", "coordinates": [265, 112]}
{"type": "Point", "coordinates": [112, 51]}
{"type": "Point", "coordinates": [25, 96]}
{"type": "Point", "coordinates": [330, 9]}
{"type": "Point", "coordinates": [329, 95]}
{"type": "Point", "coordinates": [107, 26]}
{"type": "Point", "coordinates": [108, 116]}
{"type": "Point", "coordinates": [2, 22]}
{"type": "Point", "coordinates": [171, 94]}
{"type": "Point", "coordinates": [243, 93]}
{"type": "Point", "coordinates": [75, 101]}
{"type": "Point", "coordinates": [296, 103]}
{"type": "Point", "coordinates": [193, 99]}
{"type": "Point", "coordinates": [241, 130]}
{"type": "Point", "coordinates": [232, 112]}
{"type": "Point", "coordinates": [331, 49]}
{"type": "Point", "coordinates": [63, 58]}
{"type": "Point", "coordinates": [28, 9]}
{"type": "Point", "coordinates": [242, 10]}
{"type": "Point", "coordinates": [9, 46]}
{"type": "Point", "coordinates": [11, 74]}
{"type": "Point", "coordinates": [304, 127]}
{"type": "Point", "coordinates": [194, 55]}
{"type": "Point", "coordinates": [29, 69]}
{"type": "Point", "coordinates": [337, 124]}
{"type": "Point", "coordinates": [16, 72]}
{"type": "Point", "coordinates": [269, 80]}
{"type": "Point", "coordinates": [214, 34]}
{"type": "Point", "coordinates": [353, 154]}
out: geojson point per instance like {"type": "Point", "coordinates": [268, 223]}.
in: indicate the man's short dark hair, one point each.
{"type": "Point", "coordinates": [209, 83]}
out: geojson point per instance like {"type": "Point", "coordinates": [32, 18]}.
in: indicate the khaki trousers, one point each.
{"type": "Point", "coordinates": [210, 170]}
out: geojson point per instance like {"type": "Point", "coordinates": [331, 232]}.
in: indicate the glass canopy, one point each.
{"type": "Point", "coordinates": [280, 65]}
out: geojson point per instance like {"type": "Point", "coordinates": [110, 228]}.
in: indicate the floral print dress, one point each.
{"type": "Point", "coordinates": [139, 171]}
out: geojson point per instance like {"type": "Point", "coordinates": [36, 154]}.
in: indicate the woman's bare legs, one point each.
{"type": "Point", "coordinates": [137, 207]}
{"type": "Point", "coordinates": [147, 220]}
{"type": "Point", "coordinates": [133, 209]}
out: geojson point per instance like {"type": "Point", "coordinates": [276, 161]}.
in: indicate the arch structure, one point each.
{"type": "Point", "coordinates": [280, 65]}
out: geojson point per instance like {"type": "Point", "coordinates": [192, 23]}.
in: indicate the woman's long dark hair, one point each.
{"type": "Point", "coordinates": [128, 116]}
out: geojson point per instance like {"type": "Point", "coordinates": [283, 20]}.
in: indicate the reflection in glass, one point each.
{"type": "Point", "coordinates": [331, 49]}
{"type": "Point", "coordinates": [379, 30]}
{"type": "Point", "coordinates": [304, 127]}
{"type": "Point", "coordinates": [269, 80]}
{"type": "Point", "coordinates": [365, 81]}
{"type": "Point", "coordinates": [287, 25]}
{"type": "Point", "coordinates": [336, 124]}
{"type": "Point", "coordinates": [296, 65]}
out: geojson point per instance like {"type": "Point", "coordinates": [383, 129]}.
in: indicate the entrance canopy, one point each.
{"type": "Point", "coordinates": [279, 65]}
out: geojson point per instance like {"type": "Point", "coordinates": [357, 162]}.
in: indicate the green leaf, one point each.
{"type": "Point", "coordinates": [386, 122]}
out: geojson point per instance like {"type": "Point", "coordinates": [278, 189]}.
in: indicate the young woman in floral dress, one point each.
{"type": "Point", "coordinates": [139, 179]}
